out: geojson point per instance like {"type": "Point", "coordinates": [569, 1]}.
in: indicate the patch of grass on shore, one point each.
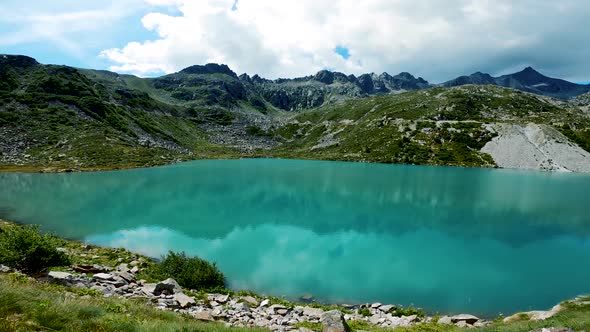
{"type": "Point", "coordinates": [31, 306]}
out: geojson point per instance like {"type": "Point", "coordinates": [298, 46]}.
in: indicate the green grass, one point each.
{"type": "Point", "coordinates": [26, 306]}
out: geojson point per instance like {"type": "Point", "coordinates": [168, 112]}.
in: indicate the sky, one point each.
{"type": "Point", "coordinates": [437, 40]}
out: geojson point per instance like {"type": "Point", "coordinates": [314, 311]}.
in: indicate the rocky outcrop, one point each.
{"type": "Point", "coordinates": [535, 147]}
{"type": "Point", "coordinates": [333, 321]}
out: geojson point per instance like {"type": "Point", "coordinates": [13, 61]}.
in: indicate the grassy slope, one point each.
{"type": "Point", "coordinates": [30, 306]}
{"type": "Point", "coordinates": [403, 128]}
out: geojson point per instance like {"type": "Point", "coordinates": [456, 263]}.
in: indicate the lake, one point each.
{"type": "Point", "coordinates": [445, 239]}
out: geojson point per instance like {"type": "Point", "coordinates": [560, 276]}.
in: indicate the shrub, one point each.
{"type": "Point", "coordinates": [189, 272]}
{"type": "Point", "coordinates": [399, 312]}
{"type": "Point", "coordinates": [364, 312]}
{"type": "Point", "coordinates": [24, 248]}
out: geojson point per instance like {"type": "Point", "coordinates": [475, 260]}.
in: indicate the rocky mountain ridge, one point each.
{"type": "Point", "coordinates": [528, 80]}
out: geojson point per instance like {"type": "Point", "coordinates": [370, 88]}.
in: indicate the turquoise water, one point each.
{"type": "Point", "coordinates": [445, 239]}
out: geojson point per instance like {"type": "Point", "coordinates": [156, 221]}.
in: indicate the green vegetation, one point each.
{"type": "Point", "coordinates": [580, 136]}
{"type": "Point", "coordinates": [30, 306]}
{"type": "Point", "coordinates": [24, 248]}
{"type": "Point", "coordinates": [189, 272]}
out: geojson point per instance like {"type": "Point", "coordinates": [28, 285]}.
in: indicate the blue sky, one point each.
{"type": "Point", "coordinates": [288, 38]}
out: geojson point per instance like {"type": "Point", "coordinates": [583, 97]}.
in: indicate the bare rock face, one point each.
{"type": "Point", "coordinates": [333, 321]}
{"type": "Point", "coordinates": [536, 147]}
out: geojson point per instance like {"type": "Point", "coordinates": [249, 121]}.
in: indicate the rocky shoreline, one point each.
{"type": "Point", "coordinates": [247, 310]}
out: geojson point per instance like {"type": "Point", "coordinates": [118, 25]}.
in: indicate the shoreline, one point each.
{"type": "Point", "coordinates": [117, 272]}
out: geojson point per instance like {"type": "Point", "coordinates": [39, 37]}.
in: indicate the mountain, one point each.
{"type": "Point", "coordinates": [528, 80]}
{"type": "Point", "coordinates": [213, 84]}
{"type": "Point", "coordinates": [59, 117]}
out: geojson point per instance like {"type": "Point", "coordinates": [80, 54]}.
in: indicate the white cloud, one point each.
{"type": "Point", "coordinates": [434, 39]}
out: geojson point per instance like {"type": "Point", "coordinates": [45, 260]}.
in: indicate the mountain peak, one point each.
{"type": "Point", "coordinates": [210, 68]}
{"type": "Point", "coordinates": [17, 60]}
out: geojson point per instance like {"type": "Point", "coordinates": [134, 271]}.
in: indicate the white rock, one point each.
{"type": "Point", "coordinates": [103, 276]}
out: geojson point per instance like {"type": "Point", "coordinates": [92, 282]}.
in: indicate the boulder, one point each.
{"type": "Point", "coordinates": [184, 301]}
{"type": "Point", "coordinates": [127, 276]}
{"type": "Point", "coordinates": [168, 286]}
{"type": "Point", "coordinates": [445, 320]}
{"type": "Point", "coordinates": [242, 307]}
{"type": "Point", "coordinates": [333, 321]}
{"type": "Point", "coordinates": [469, 319]}
{"type": "Point", "coordinates": [4, 269]}
{"type": "Point", "coordinates": [250, 300]}
{"type": "Point", "coordinates": [204, 316]}
{"type": "Point", "coordinates": [219, 298]}
{"type": "Point", "coordinates": [264, 303]}
{"type": "Point", "coordinates": [312, 312]}
{"type": "Point", "coordinates": [148, 289]}
{"type": "Point", "coordinates": [103, 276]}
{"type": "Point", "coordinates": [554, 329]}
{"type": "Point", "coordinates": [376, 305]}
{"type": "Point", "coordinates": [387, 307]}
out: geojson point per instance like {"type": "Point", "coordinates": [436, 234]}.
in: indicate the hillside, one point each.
{"type": "Point", "coordinates": [58, 117]}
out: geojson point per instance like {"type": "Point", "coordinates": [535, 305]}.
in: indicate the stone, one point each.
{"type": "Point", "coordinates": [462, 324]}
{"type": "Point", "coordinates": [312, 312]}
{"type": "Point", "coordinates": [282, 312]}
{"type": "Point", "coordinates": [123, 268]}
{"type": "Point", "coordinates": [554, 329]}
{"type": "Point", "coordinates": [376, 305]}
{"type": "Point", "coordinates": [103, 276]}
{"type": "Point", "coordinates": [469, 319]}
{"type": "Point", "coordinates": [264, 303]}
{"type": "Point", "coordinates": [250, 300]}
{"type": "Point", "coordinates": [220, 298]}
{"type": "Point", "coordinates": [134, 270]}
{"type": "Point", "coordinates": [168, 286]}
{"type": "Point", "coordinates": [387, 307]}
{"type": "Point", "coordinates": [333, 321]}
{"type": "Point", "coordinates": [541, 315]}
{"type": "Point", "coordinates": [184, 301]}
{"type": "Point", "coordinates": [376, 319]}
{"type": "Point", "coordinates": [242, 307]}
{"type": "Point", "coordinates": [126, 276]}
{"type": "Point", "coordinates": [204, 316]}
{"type": "Point", "coordinates": [445, 320]}
{"type": "Point", "coordinates": [134, 263]}
{"type": "Point", "coordinates": [148, 289]}
{"type": "Point", "coordinates": [4, 269]}
{"type": "Point", "coordinates": [60, 276]}
{"type": "Point", "coordinates": [306, 298]}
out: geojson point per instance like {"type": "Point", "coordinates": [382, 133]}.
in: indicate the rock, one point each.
{"type": "Point", "coordinates": [4, 269]}
{"type": "Point", "coordinates": [469, 319]}
{"type": "Point", "coordinates": [333, 321]}
{"type": "Point", "coordinates": [127, 276]}
{"type": "Point", "coordinates": [462, 324]}
{"type": "Point", "coordinates": [376, 319]}
{"type": "Point", "coordinates": [242, 307]}
{"type": "Point", "coordinates": [148, 289]}
{"type": "Point", "coordinates": [58, 276]}
{"type": "Point", "coordinates": [204, 316]}
{"type": "Point", "coordinates": [220, 298]}
{"type": "Point", "coordinates": [376, 305]}
{"type": "Point", "coordinates": [306, 298]}
{"type": "Point", "coordinates": [282, 312]}
{"type": "Point", "coordinates": [387, 307]}
{"type": "Point", "coordinates": [445, 320]}
{"type": "Point", "coordinates": [554, 329]}
{"type": "Point", "coordinates": [103, 276]}
{"type": "Point", "coordinates": [168, 286]}
{"type": "Point", "coordinates": [264, 303]}
{"type": "Point", "coordinates": [134, 270]}
{"type": "Point", "coordinates": [250, 300]}
{"type": "Point", "coordinates": [312, 312]}
{"type": "Point", "coordinates": [184, 301]}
